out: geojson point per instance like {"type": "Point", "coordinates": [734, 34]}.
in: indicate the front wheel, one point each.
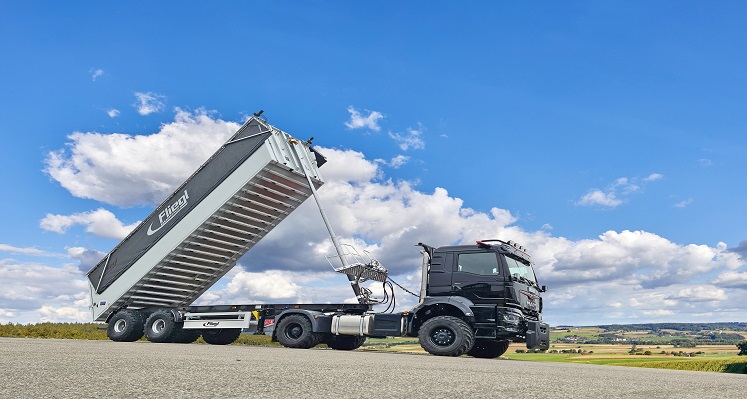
{"type": "Point", "coordinates": [446, 336]}
{"type": "Point", "coordinates": [295, 331]}
{"type": "Point", "coordinates": [487, 349]}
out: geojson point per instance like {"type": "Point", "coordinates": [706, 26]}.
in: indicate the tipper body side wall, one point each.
{"type": "Point", "coordinates": [196, 235]}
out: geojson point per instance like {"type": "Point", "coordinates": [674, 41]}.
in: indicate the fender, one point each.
{"type": "Point", "coordinates": [459, 302]}
{"type": "Point", "coordinates": [320, 322]}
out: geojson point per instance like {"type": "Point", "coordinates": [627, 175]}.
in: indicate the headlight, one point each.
{"type": "Point", "coordinates": [513, 319]}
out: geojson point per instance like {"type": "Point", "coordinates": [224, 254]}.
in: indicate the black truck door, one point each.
{"type": "Point", "coordinates": [477, 276]}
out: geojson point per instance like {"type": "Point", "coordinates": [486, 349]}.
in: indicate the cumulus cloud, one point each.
{"type": "Point", "coordinates": [100, 222]}
{"type": "Point", "coordinates": [113, 113]}
{"type": "Point", "coordinates": [616, 193]}
{"type": "Point", "coordinates": [127, 170]}
{"type": "Point", "coordinates": [31, 291]}
{"type": "Point", "coordinates": [617, 276]}
{"type": "Point", "coordinates": [148, 103]}
{"type": "Point", "coordinates": [412, 139]}
{"type": "Point", "coordinates": [358, 120]}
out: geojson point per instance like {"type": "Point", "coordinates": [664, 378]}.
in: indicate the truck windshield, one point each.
{"type": "Point", "coordinates": [521, 270]}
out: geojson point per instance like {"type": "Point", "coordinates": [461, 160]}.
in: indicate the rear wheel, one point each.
{"type": "Point", "coordinates": [295, 331]}
{"type": "Point", "coordinates": [487, 349]}
{"type": "Point", "coordinates": [186, 336]}
{"type": "Point", "coordinates": [161, 327]}
{"type": "Point", "coordinates": [221, 336]}
{"type": "Point", "coordinates": [126, 326]}
{"type": "Point", "coordinates": [345, 342]}
{"type": "Point", "coordinates": [446, 336]}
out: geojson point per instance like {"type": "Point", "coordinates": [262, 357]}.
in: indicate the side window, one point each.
{"type": "Point", "coordinates": [485, 263]}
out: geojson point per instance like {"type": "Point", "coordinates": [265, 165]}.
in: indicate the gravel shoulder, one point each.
{"type": "Point", "coordinates": [51, 368]}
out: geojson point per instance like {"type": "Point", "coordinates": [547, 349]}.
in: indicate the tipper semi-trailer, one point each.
{"type": "Point", "coordinates": [473, 299]}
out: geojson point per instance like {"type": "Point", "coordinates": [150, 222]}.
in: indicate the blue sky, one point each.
{"type": "Point", "coordinates": [607, 136]}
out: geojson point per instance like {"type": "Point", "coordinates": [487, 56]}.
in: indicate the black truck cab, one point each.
{"type": "Point", "coordinates": [491, 286]}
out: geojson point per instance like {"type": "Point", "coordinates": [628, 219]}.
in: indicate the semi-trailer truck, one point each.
{"type": "Point", "coordinates": [473, 299]}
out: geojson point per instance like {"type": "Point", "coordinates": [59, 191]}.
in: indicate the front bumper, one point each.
{"type": "Point", "coordinates": [538, 335]}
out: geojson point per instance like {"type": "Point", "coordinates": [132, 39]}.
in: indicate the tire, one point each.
{"type": "Point", "coordinates": [161, 327]}
{"type": "Point", "coordinates": [186, 336]}
{"type": "Point", "coordinates": [487, 349]}
{"type": "Point", "coordinates": [446, 336]}
{"type": "Point", "coordinates": [221, 336]}
{"type": "Point", "coordinates": [295, 331]}
{"type": "Point", "coordinates": [345, 342]}
{"type": "Point", "coordinates": [126, 326]}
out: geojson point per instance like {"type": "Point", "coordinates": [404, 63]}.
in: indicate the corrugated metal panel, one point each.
{"type": "Point", "coordinates": [212, 246]}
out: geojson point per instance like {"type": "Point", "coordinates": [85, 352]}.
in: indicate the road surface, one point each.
{"type": "Point", "coordinates": [50, 368]}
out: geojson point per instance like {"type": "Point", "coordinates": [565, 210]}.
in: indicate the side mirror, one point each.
{"type": "Point", "coordinates": [543, 289]}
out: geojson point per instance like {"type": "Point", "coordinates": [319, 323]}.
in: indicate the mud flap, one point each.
{"type": "Point", "coordinates": [538, 335]}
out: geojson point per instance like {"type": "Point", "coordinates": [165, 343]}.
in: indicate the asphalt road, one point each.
{"type": "Point", "coordinates": [49, 368]}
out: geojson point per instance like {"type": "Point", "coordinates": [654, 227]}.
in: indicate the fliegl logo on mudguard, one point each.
{"type": "Point", "coordinates": [211, 324]}
{"type": "Point", "coordinates": [168, 213]}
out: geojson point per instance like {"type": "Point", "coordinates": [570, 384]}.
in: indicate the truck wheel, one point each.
{"type": "Point", "coordinates": [221, 336]}
{"type": "Point", "coordinates": [487, 349]}
{"type": "Point", "coordinates": [161, 327]}
{"type": "Point", "coordinates": [345, 342]}
{"type": "Point", "coordinates": [186, 336]}
{"type": "Point", "coordinates": [446, 336]}
{"type": "Point", "coordinates": [295, 331]}
{"type": "Point", "coordinates": [125, 326]}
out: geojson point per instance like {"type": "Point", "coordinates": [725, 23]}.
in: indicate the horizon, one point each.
{"type": "Point", "coordinates": [608, 139]}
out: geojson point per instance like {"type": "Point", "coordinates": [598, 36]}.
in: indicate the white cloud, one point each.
{"type": "Point", "coordinates": [700, 293]}
{"type": "Point", "coordinates": [654, 177]}
{"type": "Point", "coordinates": [616, 193]}
{"type": "Point", "coordinates": [642, 276]}
{"type": "Point", "coordinates": [705, 162]}
{"type": "Point", "coordinates": [396, 162]}
{"type": "Point", "coordinates": [100, 222]}
{"type": "Point", "coordinates": [597, 197]}
{"type": "Point", "coordinates": [126, 170]}
{"type": "Point", "coordinates": [26, 251]}
{"type": "Point", "coordinates": [113, 113]}
{"type": "Point", "coordinates": [63, 314]}
{"type": "Point", "coordinates": [734, 279]}
{"type": "Point", "coordinates": [148, 103]}
{"type": "Point", "coordinates": [410, 140]}
{"type": "Point", "coordinates": [27, 288]}
{"type": "Point", "coordinates": [358, 121]}
{"type": "Point", "coordinates": [95, 73]}
{"type": "Point", "coordinates": [683, 204]}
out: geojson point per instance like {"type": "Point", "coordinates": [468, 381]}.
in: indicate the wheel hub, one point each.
{"type": "Point", "coordinates": [443, 337]}
{"type": "Point", "coordinates": [295, 331]}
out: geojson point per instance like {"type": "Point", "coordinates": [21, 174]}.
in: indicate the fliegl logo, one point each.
{"type": "Point", "coordinates": [168, 213]}
{"type": "Point", "coordinates": [211, 324]}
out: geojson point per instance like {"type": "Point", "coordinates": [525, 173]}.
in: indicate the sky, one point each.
{"type": "Point", "coordinates": [606, 137]}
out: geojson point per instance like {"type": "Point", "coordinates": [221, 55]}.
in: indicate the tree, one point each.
{"type": "Point", "coordinates": [742, 348]}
